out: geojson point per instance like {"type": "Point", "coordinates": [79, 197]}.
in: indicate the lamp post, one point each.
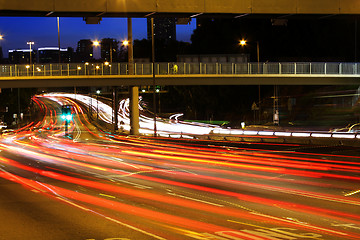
{"type": "Point", "coordinates": [126, 44]}
{"type": "Point", "coordinates": [96, 43]}
{"type": "Point", "coordinates": [153, 70]}
{"type": "Point", "coordinates": [58, 27]}
{"type": "Point", "coordinates": [1, 37]}
{"type": "Point", "coordinates": [30, 43]}
{"type": "Point", "coordinates": [243, 42]}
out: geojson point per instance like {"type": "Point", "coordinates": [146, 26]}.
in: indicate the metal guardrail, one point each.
{"type": "Point", "coordinates": [265, 133]}
{"type": "Point", "coordinates": [265, 136]}
{"type": "Point", "coordinates": [83, 69]}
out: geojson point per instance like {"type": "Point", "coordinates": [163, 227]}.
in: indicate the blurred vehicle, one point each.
{"type": "Point", "coordinates": [353, 128]}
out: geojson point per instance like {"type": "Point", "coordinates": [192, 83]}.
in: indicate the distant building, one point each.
{"type": "Point", "coordinates": [214, 58]}
{"type": "Point", "coordinates": [84, 51]}
{"type": "Point", "coordinates": [22, 56]}
{"type": "Point", "coordinates": [51, 55]}
{"type": "Point", "coordinates": [109, 49]}
{"type": "Point", "coordinates": [164, 29]}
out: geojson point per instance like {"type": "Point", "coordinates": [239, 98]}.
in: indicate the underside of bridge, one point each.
{"type": "Point", "coordinates": [178, 8]}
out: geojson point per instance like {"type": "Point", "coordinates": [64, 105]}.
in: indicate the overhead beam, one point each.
{"type": "Point", "coordinates": [108, 8]}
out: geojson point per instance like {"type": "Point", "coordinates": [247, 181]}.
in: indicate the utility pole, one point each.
{"type": "Point", "coordinates": [153, 70]}
{"type": "Point", "coordinates": [58, 27]}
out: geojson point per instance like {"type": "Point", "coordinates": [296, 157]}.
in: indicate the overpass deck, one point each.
{"type": "Point", "coordinates": [116, 74]}
{"type": "Point", "coordinates": [185, 8]}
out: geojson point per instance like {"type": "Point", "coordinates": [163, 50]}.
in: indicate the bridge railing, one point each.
{"type": "Point", "coordinates": [73, 69]}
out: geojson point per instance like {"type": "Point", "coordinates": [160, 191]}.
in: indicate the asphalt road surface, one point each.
{"type": "Point", "coordinates": [94, 185]}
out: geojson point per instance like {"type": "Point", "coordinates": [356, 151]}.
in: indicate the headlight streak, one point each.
{"type": "Point", "coordinates": [300, 173]}
{"type": "Point", "coordinates": [147, 213]}
{"type": "Point", "coordinates": [136, 166]}
{"type": "Point", "coordinates": [203, 170]}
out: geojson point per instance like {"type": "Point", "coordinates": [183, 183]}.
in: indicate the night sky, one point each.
{"type": "Point", "coordinates": [43, 31]}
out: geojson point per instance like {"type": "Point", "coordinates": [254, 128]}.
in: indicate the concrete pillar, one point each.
{"type": "Point", "coordinates": [134, 110]}
{"type": "Point", "coordinates": [134, 90]}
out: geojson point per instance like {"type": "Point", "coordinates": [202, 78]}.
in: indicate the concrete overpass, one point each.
{"type": "Point", "coordinates": [180, 8]}
{"type": "Point", "coordinates": [116, 74]}
{"type": "Point", "coordinates": [181, 79]}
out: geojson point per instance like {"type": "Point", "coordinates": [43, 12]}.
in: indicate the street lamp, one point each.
{"type": "Point", "coordinates": [243, 42]}
{"type": "Point", "coordinates": [126, 44]}
{"type": "Point", "coordinates": [97, 43]}
{"type": "Point", "coordinates": [30, 43]}
{"type": "Point", "coordinates": [153, 71]}
{"type": "Point", "coordinates": [86, 69]}
{"type": "Point", "coordinates": [27, 69]}
{"type": "Point", "coordinates": [1, 37]}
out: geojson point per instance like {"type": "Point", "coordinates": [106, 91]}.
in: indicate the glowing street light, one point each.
{"type": "Point", "coordinates": [1, 37]}
{"type": "Point", "coordinates": [125, 43]}
{"type": "Point", "coordinates": [96, 43]}
{"type": "Point", "coordinates": [242, 42]}
{"type": "Point", "coordinates": [27, 69]}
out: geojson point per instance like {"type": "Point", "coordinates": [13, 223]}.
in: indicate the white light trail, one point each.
{"type": "Point", "coordinates": [172, 127]}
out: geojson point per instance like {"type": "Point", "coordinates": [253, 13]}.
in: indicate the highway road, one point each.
{"type": "Point", "coordinates": [92, 185]}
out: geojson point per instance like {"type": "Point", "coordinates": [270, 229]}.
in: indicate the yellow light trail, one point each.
{"type": "Point", "coordinates": [203, 161]}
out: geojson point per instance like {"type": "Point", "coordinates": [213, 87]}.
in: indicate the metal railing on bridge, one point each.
{"type": "Point", "coordinates": [73, 69]}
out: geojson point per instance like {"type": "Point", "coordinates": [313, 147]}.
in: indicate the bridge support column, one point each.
{"type": "Point", "coordinates": [134, 110]}
{"type": "Point", "coordinates": [134, 90]}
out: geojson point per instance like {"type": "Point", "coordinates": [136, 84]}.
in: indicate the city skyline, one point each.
{"type": "Point", "coordinates": [16, 31]}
